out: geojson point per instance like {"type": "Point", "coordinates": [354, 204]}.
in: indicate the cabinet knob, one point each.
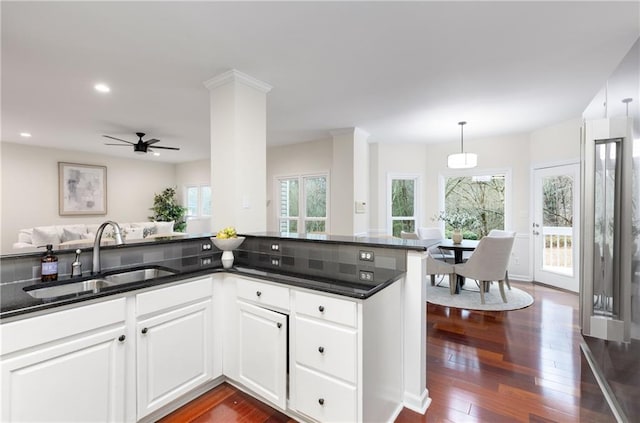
{"type": "Point", "coordinates": [321, 350]}
{"type": "Point", "coordinates": [321, 309]}
{"type": "Point", "coordinates": [144, 330]}
{"type": "Point", "coordinates": [258, 293]}
{"type": "Point", "coordinates": [122, 338]}
{"type": "Point", "coordinates": [321, 401]}
{"type": "Point", "coordinates": [279, 325]}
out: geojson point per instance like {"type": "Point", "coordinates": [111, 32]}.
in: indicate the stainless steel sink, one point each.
{"type": "Point", "coordinates": [136, 275]}
{"type": "Point", "coordinates": [101, 282]}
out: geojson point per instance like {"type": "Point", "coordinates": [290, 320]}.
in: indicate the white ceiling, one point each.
{"type": "Point", "coordinates": [403, 71]}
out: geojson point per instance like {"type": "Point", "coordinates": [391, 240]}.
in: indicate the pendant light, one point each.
{"type": "Point", "coordinates": [462, 160]}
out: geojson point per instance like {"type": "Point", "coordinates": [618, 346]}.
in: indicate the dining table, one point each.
{"type": "Point", "coordinates": [458, 249]}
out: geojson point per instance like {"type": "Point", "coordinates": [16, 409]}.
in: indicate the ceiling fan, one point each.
{"type": "Point", "coordinates": [141, 146]}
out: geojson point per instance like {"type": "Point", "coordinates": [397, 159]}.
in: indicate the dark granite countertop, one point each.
{"type": "Point", "coordinates": [389, 242]}
{"type": "Point", "coordinates": [15, 301]}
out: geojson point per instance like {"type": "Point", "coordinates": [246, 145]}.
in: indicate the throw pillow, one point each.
{"type": "Point", "coordinates": [135, 233]}
{"type": "Point", "coordinates": [164, 228]}
{"type": "Point", "coordinates": [149, 230]}
{"type": "Point", "coordinates": [70, 235]}
{"type": "Point", "coordinates": [44, 235]}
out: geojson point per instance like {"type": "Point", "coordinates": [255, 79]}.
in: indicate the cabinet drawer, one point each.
{"type": "Point", "coordinates": [328, 348]}
{"type": "Point", "coordinates": [165, 298]}
{"type": "Point", "coordinates": [60, 324]}
{"type": "Point", "coordinates": [327, 308]}
{"type": "Point", "coordinates": [264, 294]}
{"type": "Point", "coordinates": [323, 398]}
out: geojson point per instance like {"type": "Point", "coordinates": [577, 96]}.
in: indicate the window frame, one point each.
{"type": "Point", "coordinates": [417, 199]}
{"type": "Point", "coordinates": [508, 202]}
{"type": "Point", "coordinates": [302, 218]}
{"type": "Point", "coordinates": [199, 202]}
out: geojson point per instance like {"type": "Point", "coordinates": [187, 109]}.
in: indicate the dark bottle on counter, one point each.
{"type": "Point", "coordinates": [49, 265]}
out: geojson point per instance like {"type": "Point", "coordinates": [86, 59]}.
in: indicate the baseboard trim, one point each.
{"type": "Point", "coordinates": [417, 404]}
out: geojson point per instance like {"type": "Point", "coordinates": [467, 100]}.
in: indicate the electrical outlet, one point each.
{"type": "Point", "coordinates": [275, 261]}
{"type": "Point", "coordinates": [366, 276]}
{"type": "Point", "coordinates": [204, 261]}
{"type": "Point", "coordinates": [206, 247]}
{"type": "Point", "coordinates": [366, 255]}
{"type": "Point", "coordinates": [275, 247]}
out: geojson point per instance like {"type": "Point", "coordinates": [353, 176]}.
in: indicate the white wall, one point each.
{"type": "Point", "coordinates": [395, 158]}
{"type": "Point", "coordinates": [297, 159]}
{"type": "Point", "coordinates": [555, 143]}
{"type": "Point", "coordinates": [30, 188]}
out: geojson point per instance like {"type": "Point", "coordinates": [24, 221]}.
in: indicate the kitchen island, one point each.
{"type": "Point", "coordinates": [362, 299]}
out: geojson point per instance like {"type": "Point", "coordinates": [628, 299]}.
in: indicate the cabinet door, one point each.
{"type": "Point", "coordinates": [174, 355]}
{"type": "Point", "coordinates": [78, 380]}
{"type": "Point", "coordinates": [262, 352]}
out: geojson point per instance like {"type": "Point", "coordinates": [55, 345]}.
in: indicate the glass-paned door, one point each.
{"type": "Point", "coordinates": [555, 227]}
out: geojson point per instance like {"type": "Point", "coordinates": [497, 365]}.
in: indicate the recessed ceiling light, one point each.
{"type": "Point", "coordinates": [156, 154]}
{"type": "Point", "coordinates": [102, 88]}
{"type": "Point", "coordinates": [25, 134]}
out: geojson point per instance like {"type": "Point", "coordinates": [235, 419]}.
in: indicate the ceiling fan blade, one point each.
{"type": "Point", "coordinates": [152, 141]}
{"type": "Point", "coordinates": [118, 139]}
{"type": "Point", "coordinates": [120, 145]}
{"type": "Point", "coordinates": [166, 148]}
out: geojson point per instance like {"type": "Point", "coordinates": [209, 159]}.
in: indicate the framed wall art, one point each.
{"type": "Point", "coordinates": [82, 189]}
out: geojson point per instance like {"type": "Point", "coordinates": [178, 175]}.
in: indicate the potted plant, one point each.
{"type": "Point", "coordinates": [456, 220]}
{"type": "Point", "coordinates": [166, 209]}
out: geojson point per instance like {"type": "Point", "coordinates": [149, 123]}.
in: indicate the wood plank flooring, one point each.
{"type": "Point", "coordinates": [516, 366]}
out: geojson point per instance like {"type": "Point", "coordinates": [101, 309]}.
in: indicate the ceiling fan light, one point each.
{"type": "Point", "coordinates": [462, 160]}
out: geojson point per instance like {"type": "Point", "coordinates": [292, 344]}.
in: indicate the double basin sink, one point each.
{"type": "Point", "coordinates": [99, 283]}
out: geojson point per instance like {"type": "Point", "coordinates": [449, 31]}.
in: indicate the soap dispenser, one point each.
{"type": "Point", "coordinates": [49, 266]}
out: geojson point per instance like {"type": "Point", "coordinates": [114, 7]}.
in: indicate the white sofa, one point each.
{"type": "Point", "coordinates": [68, 235]}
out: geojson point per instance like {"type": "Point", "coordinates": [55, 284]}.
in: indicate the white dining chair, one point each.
{"type": "Point", "coordinates": [436, 252]}
{"type": "Point", "coordinates": [439, 267]}
{"type": "Point", "coordinates": [408, 235]}
{"type": "Point", "coordinates": [488, 263]}
{"type": "Point", "coordinates": [507, 234]}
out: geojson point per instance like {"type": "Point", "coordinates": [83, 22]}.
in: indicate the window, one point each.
{"type": "Point", "coordinates": [403, 202]}
{"type": "Point", "coordinates": [198, 200]}
{"type": "Point", "coordinates": [479, 197]}
{"type": "Point", "coordinates": [302, 203]}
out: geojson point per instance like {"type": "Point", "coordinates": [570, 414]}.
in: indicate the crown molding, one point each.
{"type": "Point", "coordinates": [354, 131]}
{"type": "Point", "coordinates": [238, 77]}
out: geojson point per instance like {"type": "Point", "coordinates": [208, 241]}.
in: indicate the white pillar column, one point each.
{"type": "Point", "coordinates": [416, 394]}
{"type": "Point", "coordinates": [238, 152]}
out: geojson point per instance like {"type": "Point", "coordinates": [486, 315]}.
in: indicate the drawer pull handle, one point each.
{"type": "Point", "coordinates": [279, 325]}
{"type": "Point", "coordinates": [258, 293]}
{"type": "Point", "coordinates": [122, 338]}
{"type": "Point", "coordinates": [321, 309]}
{"type": "Point", "coordinates": [321, 350]}
{"type": "Point", "coordinates": [321, 401]}
{"type": "Point", "coordinates": [144, 330]}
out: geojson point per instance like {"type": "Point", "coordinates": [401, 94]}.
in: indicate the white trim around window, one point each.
{"type": "Point", "coordinates": [417, 199]}
{"type": "Point", "coordinates": [301, 219]}
{"type": "Point", "coordinates": [508, 198]}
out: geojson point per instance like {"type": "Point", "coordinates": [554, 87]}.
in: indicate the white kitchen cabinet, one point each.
{"type": "Point", "coordinates": [346, 356]}
{"type": "Point", "coordinates": [175, 343]}
{"type": "Point", "coordinates": [65, 366]}
{"type": "Point", "coordinates": [262, 352]}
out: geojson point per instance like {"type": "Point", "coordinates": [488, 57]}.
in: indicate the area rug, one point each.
{"type": "Point", "coordinates": [469, 297]}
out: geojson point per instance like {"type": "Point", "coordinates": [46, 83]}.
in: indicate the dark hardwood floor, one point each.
{"type": "Point", "coordinates": [520, 366]}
